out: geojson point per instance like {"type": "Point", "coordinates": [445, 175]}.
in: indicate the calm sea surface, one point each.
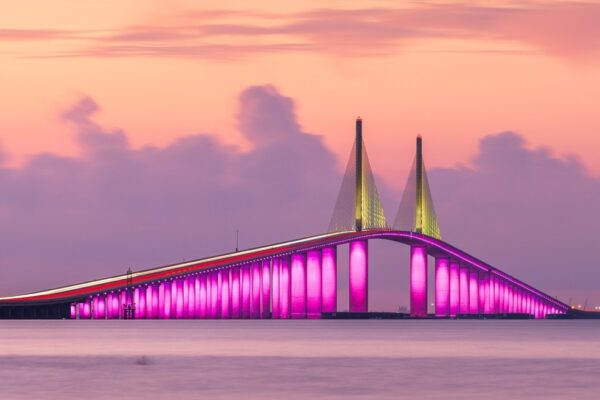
{"type": "Point", "coordinates": [299, 360]}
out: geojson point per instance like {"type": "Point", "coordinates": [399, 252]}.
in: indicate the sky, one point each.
{"type": "Point", "coordinates": [137, 133]}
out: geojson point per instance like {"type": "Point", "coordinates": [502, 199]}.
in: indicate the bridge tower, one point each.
{"type": "Point", "coordinates": [358, 208]}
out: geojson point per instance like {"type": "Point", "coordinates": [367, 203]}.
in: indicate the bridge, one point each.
{"type": "Point", "coordinates": [297, 279]}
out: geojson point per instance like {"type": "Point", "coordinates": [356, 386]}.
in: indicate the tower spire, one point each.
{"type": "Point", "coordinates": [359, 176]}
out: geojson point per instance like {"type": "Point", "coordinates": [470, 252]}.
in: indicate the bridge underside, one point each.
{"type": "Point", "coordinates": [296, 280]}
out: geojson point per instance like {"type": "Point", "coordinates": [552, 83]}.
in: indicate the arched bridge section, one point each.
{"type": "Point", "coordinates": [295, 279]}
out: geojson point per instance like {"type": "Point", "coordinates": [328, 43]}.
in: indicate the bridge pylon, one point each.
{"type": "Point", "coordinates": [417, 214]}
{"type": "Point", "coordinates": [358, 208]}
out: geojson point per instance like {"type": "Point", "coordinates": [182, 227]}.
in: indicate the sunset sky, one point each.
{"type": "Point", "coordinates": [152, 73]}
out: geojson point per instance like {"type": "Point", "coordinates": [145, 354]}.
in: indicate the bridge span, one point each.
{"type": "Point", "coordinates": [298, 279]}
{"type": "Point", "coordinates": [295, 279]}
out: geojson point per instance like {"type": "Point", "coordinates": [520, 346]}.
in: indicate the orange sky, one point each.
{"type": "Point", "coordinates": [452, 72]}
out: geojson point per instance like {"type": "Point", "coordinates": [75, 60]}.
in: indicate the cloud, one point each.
{"type": "Point", "coordinates": [526, 211]}
{"type": "Point", "coordinates": [564, 29]}
{"type": "Point", "coordinates": [72, 219]}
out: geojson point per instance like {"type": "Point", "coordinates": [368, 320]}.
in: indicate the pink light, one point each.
{"type": "Point", "coordinates": [464, 289]}
{"type": "Point", "coordinates": [298, 271]}
{"type": "Point", "coordinates": [473, 291]}
{"type": "Point", "coordinates": [313, 284]}
{"type": "Point", "coordinates": [236, 311]}
{"type": "Point", "coordinates": [284, 289]}
{"type": "Point", "coordinates": [203, 306]}
{"type": "Point", "coordinates": [418, 281]}
{"type": "Point", "coordinates": [214, 295]}
{"type": "Point", "coordinates": [225, 306]}
{"type": "Point", "coordinates": [179, 299]}
{"type": "Point", "coordinates": [442, 287]}
{"type": "Point", "coordinates": [454, 288]}
{"type": "Point", "coordinates": [276, 289]}
{"type": "Point", "coordinates": [329, 279]}
{"type": "Point", "coordinates": [266, 289]}
{"type": "Point", "coordinates": [191, 298]}
{"type": "Point", "coordinates": [359, 275]}
{"type": "Point", "coordinates": [256, 290]}
{"type": "Point", "coordinates": [246, 291]}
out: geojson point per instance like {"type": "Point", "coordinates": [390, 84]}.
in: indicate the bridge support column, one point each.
{"type": "Point", "coordinates": [236, 308]}
{"type": "Point", "coordinates": [298, 273]}
{"type": "Point", "coordinates": [196, 283]}
{"type": "Point", "coordinates": [313, 284]}
{"type": "Point", "coordinates": [179, 298]}
{"type": "Point", "coordinates": [276, 295]}
{"type": "Point", "coordinates": [225, 295]}
{"type": "Point", "coordinates": [454, 288]}
{"type": "Point", "coordinates": [214, 295]}
{"type": "Point", "coordinates": [139, 300]}
{"type": "Point", "coordinates": [482, 292]}
{"type": "Point", "coordinates": [190, 311]}
{"type": "Point", "coordinates": [442, 287]}
{"type": "Point", "coordinates": [473, 291]}
{"type": "Point", "coordinates": [359, 276]}
{"type": "Point", "coordinates": [203, 309]}
{"type": "Point", "coordinates": [329, 279]}
{"type": "Point", "coordinates": [285, 288]}
{"type": "Point", "coordinates": [418, 281]}
{"type": "Point", "coordinates": [266, 289]}
{"type": "Point", "coordinates": [167, 303]}
{"type": "Point", "coordinates": [464, 289]}
{"type": "Point", "coordinates": [246, 291]}
{"type": "Point", "coordinates": [256, 290]}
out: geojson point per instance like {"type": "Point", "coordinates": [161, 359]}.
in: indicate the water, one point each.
{"type": "Point", "coordinates": [299, 359]}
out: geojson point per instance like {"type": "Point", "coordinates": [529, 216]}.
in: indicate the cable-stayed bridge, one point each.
{"type": "Point", "coordinates": [298, 279]}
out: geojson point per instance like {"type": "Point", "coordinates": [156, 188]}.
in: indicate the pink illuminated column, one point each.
{"type": "Point", "coordinates": [141, 308]}
{"type": "Point", "coordinates": [147, 294]}
{"type": "Point", "coordinates": [101, 307]}
{"type": "Point", "coordinates": [284, 287]}
{"type": "Point", "coordinates": [442, 287]}
{"type": "Point", "coordinates": [203, 305]}
{"type": "Point", "coordinates": [236, 310]}
{"type": "Point", "coordinates": [246, 289]}
{"type": "Point", "coordinates": [73, 311]}
{"type": "Point", "coordinates": [191, 297]}
{"type": "Point", "coordinates": [454, 288]}
{"type": "Point", "coordinates": [276, 289]}
{"type": "Point", "coordinates": [256, 289]}
{"type": "Point", "coordinates": [85, 310]}
{"type": "Point", "coordinates": [168, 304]}
{"type": "Point", "coordinates": [197, 296]}
{"type": "Point", "coordinates": [473, 291]}
{"type": "Point", "coordinates": [492, 293]}
{"type": "Point", "coordinates": [214, 294]}
{"type": "Point", "coordinates": [464, 289]}
{"type": "Point", "coordinates": [313, 284]}
{"type": "Point", "coordinates": [266, 289]}
{"type": "Point", "coordinates": [418, 281]}
{"type": "Point", "coordinates": [298, 272]}
{"type": "Point", "coordinates": [497, 296]}
{"type": "Point", "coordinates": [95, 307]}
{"type": "Point", "coordinates": [225, 295]}
{"type": "Point", "coordinates": [155, 305]}
{"type": "Point", "coordinates": [174, 298]}
{"type": "Point", "coordinates": [179, 298]}
{"type": "Point", "coordinates": [483, 276]}
{"type": "Point", "coordinates": [329, 279]}
{"type": "Point", "coordinates": [359, 276]}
